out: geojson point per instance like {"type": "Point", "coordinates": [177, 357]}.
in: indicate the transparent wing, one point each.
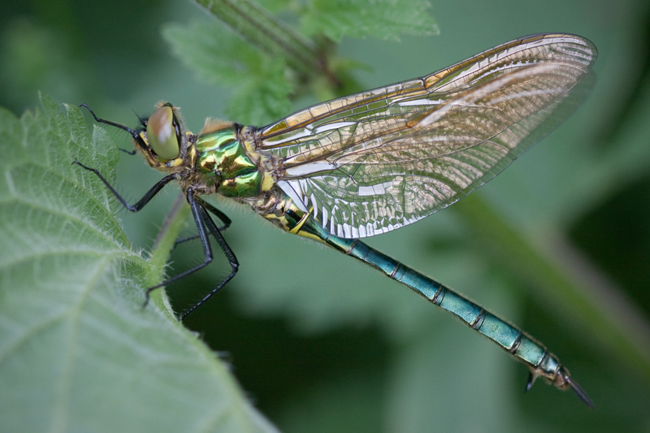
{"type": "Point", "coordinates": [378, 160]}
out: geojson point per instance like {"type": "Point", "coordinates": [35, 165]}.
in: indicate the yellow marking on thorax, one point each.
{"type": "Point", "coordinates": [174, 162]}
{"type": "Point", "coordinates": [267, 181]}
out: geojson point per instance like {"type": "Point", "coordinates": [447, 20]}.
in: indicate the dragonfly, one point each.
{"type": "Point", "coordinates": [375, 161]}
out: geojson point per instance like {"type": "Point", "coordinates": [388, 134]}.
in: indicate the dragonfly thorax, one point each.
{"type": "Point", "coordinates": [222, 161]}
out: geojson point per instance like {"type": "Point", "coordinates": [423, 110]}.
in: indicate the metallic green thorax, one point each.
{"type": "Point", "coordinates": [223, 161]}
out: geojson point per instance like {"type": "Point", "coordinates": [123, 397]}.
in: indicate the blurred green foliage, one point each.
{"type": "Point", "coordinates": [381, 19]}
{"type": "Point", "coordinates": [318, 342]}
{"type": "Point", "coordinates": [222, 59]}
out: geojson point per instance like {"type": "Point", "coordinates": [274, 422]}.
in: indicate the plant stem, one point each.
{"type": "Point", "coordinates": [264, 31]}
{"type": "Point", "coordinates": [163, 245]}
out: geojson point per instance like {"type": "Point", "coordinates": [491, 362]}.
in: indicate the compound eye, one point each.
{"type": "Point", "coordinates": [161, 133]}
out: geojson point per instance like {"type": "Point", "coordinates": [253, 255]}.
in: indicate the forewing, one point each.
{"type": "Point", "coordinates": [378, 160]}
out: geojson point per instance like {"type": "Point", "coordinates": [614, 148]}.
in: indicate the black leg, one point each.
{"type": "Point", "coordinates": [216, 212]}
{"type": "Point", "coordinates": [202, 219]}
{"type": "Point", "coordinates": [182, 240]}
{"type": "Point", "coordinates": [205, 242]}
{"type": "Point", "coordinates": [128, 152]}
{"type": "Point", "coordinates": [234, 264]}
{"type": "Point", "coordinates": [135, 134]}
{"type": "Point", "coordinates": [144, 200]}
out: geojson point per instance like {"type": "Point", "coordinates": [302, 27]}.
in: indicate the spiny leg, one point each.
{"type": "Point", "coordinates": [144, 200]}
{"type": "Point", "coordinates": [202, 219]}
{"type": "Point", "coordinates": [197, 214]}
{"type": "Point", "coordinates": [216, 212]}
{"type": "Point", "coordinates": [128, 152]}
{"type": "Point", "coordinates": [133, 132]}
{"type": "Point", "coordinates": [234, 264]}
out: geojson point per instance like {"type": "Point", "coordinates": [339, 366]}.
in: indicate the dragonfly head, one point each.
{"type": "Point", "coordinates": [163, 139]}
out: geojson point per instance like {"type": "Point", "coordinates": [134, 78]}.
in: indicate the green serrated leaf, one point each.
{"type": "Point", "coordinates": [381, 19]}
{"type": "Point", "coordinates": [77, 351]}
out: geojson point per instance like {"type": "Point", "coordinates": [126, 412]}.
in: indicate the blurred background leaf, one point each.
{"type": "Point", "coordinates": [322, 343]}
{"type": "Point", "coordinates": [222, 59]}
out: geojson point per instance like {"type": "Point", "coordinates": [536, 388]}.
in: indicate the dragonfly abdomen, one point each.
{"type": "Point", "coordinates": [510, 338]}
{"type": "Point", "coordinates": [539, 360]}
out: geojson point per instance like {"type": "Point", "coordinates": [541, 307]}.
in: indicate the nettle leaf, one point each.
{"type": "Point", "coordinates": [221, 58]}
{"type": "Point", "coordinates": [381, 19]}
{"type": "Point", "coordinates": [77, 350]}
